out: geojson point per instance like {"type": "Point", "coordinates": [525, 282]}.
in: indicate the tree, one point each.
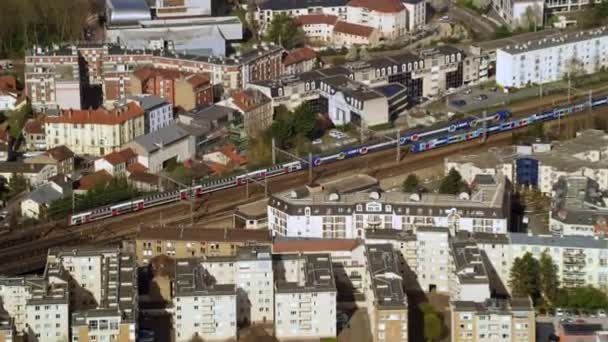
{"type": "Point", "coordinates": [410, 184]}
{"type": "Point", "coordinates": [549, 283]}
{"type": "Point", "coordinates": [352, 54]}
{"type": "Point", "coordinates": [433, 324]}
{"type": "Point", "coordinates": [285, 31]}
{"type": "Point", "coordinates": [17, 183]}
{"type": "Point", "coordinates": [452, 183]}
{"type": "Point", "coordinates": [584, 297]}
{"type": "Point", "coordinates": [532, 18]}
{"type": "Point", "coordinates": [524, 278]}
{"type": "Point", "coordinates": [305, 120]}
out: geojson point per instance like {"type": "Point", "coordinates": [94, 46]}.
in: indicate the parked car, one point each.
{"type": "Point", "coordinates": [601, 313]}
{"type": "Point", "coordinates": [458, 103]}
{"type": "Point", "coordinates": [559, 312]}
{"type": "Point", "coordinates": [468, 91]}
{"type": "Point", "coordinates": [3, 214]}
{"type": "Point", "coordinates": [317, 142]}
{"type": "Point", "coordinates": [482, 97]}
{"type": "Point", "coordinates": [337, 134]}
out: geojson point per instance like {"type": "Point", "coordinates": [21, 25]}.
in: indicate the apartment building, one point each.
{"type": "Point", "coordinates": [181, 243]}
{"type": "Point", "coordinates": [252, 272]}
{"type": "Point", "coordinates": [505, 320]}
{"type": "Point", "coordinates": [299, 60]}
{"type": "Point", "coordinates": [578, 208]}
{"type": "Point", "coordinates": [433, 264]}
{"type": "Point", "coordinates": [187, 90]}
{"type": "Point", "coordinates": [47, 312]}
{"type": "Point", "coordinates": [385, 298]}
{"type": "Point", "coordinates": [469, 280]}
{"type": "Point", "coordinates": [266, 10]}
{"type": "Point", "coordinates": [405, 244]}
{"type": "Point", "coordinates": [327, 212]}
{"type": "Point", "coordinates": [116, 163]}
{"type": "Point", "coordinates": [552, 59]}
{"type": "Point", "coordinates": [305, 296]}
{"type": "Point", "coordinates": [388, 16]}
{"type": "Point", "coordinates": [33, 133]}
{"type": "Point", "coordinates": [109, 67]}
{"type": "Point", "coordinates": [94, 132]}
{"type": "Point", "coordinates": [158, 113]}
{"type": "Point", "coordinates": [7, 332]}
{"type": "Point", "coordinates": [416, 14]}
{"type": "Point", "coordinates": [347, 34]}
{"type": "Point", "coordinates": [256, 109]}
{"type": "Point", "coordinates": [203, 308]}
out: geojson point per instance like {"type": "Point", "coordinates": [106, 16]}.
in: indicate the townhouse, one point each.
{"type": "Point", "coordinates": [158, 113]}
{"type": "Point", "coordinates": [255, 108]}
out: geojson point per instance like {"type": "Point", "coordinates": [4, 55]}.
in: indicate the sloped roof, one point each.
{"type": "Point", "coordinates": [314, 19]}
{"type": "Point", "coordinates": [98, 116]}
{"type": "Point", "coordinates": [120, 157]}
{"type": "Point", "coordinates": [144, 177]}
{"type": "Point", "coordinates": [45, 194]}
{"type": "Point", "coordinates": [249, 99]}
{"type": "Point", "coordinates": [33, 126]}
{"type": "Point", "coordinates": [60, 153]}
{"type": "Point", "coordinates": [385, 6]}
{"type": "Point", "coordinates": [89, 181]}
{"type": "Point", "coordinates": [299, 55]}
{"type": "Point", "coordinates": [166, 135]}
{"type": "Point", "coordinates": [353, 29]}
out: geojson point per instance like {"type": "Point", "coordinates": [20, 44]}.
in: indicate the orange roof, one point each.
{"type": "Point", "coordinates": [354, 29]}
{"type": "Point", "coordinates": [217, 168]}
{"type": "Point", "coordinates": [229, 151]}
{"type": "Point", "coordinates": [33, 126]}
{"type": "Point", "coordinates": [299, 55]}
{"type": "Point", "coordinates": [90, 181]}
{"type": "Point", "coordinates": [144, 177]}
{"type": "Point", "coordinates": [197, 80]}
{"type": "Point", "coordinates": [312, 19]}
{"type": "Point", "coordinates": [320, 245]}
{"type": "Point", "coordinates": [8, 83]}
{"type": "Point", "coordinates": [249, 99]}
{"type": "Point", "coordinates": [60, 153]}
{"type": "Point", "coordinates": [98, 116]}
{"type": "Point", "coordinates": [136, 167]}
{"type": "Point", "coordinates": [386, 6]}
{"type": "Point", "coordinates": [120, 157]}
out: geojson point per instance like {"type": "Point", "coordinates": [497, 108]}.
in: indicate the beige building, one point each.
{"type": "Point", "coordinates": [256, 109]}
{"type": "Point", "coordinates": [94, 132]}
{"type": "Point", "coordinates": [493, 320]}
{"type": "Point", "coordinates": [191, 242]}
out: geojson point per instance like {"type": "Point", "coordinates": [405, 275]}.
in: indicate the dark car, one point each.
{"type": "Point", "coordinates": [482, 97]}
{"type": "Point", "coordinates": [458, 103]}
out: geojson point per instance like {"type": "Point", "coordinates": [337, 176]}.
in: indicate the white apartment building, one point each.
{"type": "Point", "coordinates": [416, 14]}
{"type": "Point", "coordinates": [94, 132]}
{"type": "Point", "coordinates": [266, 10]}
{"type": "Point", "coordinates": [158, 113]}
{"type": "Point", "coordinates": [202, 308]}
{"type": "Point", "coordinates": [552, 59]}
{"type": "Point", "coordinates": [305, 296]}
{"type": "Point", "coordinates": [468, 276]}
{"type": "Point", "coordinates": [389, 17]}
{"type": "Point", "coordinates": [433, 266]}
{"type": "Point", "coordinates": [333, 211]}
{"type": "Point", "coordinates": [252, 273]}
{"type": "Point", "coordinates": [47, 312]}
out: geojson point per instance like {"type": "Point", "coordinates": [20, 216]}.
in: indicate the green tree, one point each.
{"type": "Point", "coordinates": [17, 183]}
{"type": "Point", "coordinates": [433, 324]}
{"type": "Point", "coordinates": [305, 120]}
{"type": "Point", "coordinates": [524, 278]}
{"type": "Point", "coordinates": [285, 31]}
{"type": "Point", "coordinates": [410, 184]}
{"type": "Point", "coordinates": [452, 183]}
{"type": "Point", "coordinates": [584, 297]}
{"type": "Point", "coordinates": [549, 282]}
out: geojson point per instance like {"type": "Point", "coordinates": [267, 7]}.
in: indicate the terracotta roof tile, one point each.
{"type": "Point", "coordinates": [144, 177]}
{"type": "Point", "coordinates": [33, 126]}
{"type": "Point", "coordinates": [60, 153]}
{"type": "Point", "coordinates": [92, 180]}
{"type": "Point", "coordinates": [136, 167]}
{"type": "Point", "coordinates": [98, 116]}
{"type": "Point", "coordinates": [320, 245]}
{"type": "Point", "coordinates": [120, 157]}
{"type": "Point", "coordinates": [230, 152]}
{"type": "Point", "coordinates": [249, 99]}
{"type": "Point", "coordinates": [313, 19]}
{"type": "Point", "coordinates": [299, 55]}
{"type": "Point", "coordinates": [353, 29]}
{"type": "Point", "coordinates": [197, 80]}
{"type": "Point", "coordinates": [385, 6]}
{"type": "Point", "coordinates": [8, 83]}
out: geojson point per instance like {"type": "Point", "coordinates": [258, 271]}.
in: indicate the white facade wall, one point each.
{"type": "Point", "coordinates": [416, 15]}
{"type": "Point", "coordinates": [159, 117]}
{"type": "Point", "coordinates": [102, 164]}
{"type": "Point", "coordinates": [322, 31]}
{"type": "Point", "coordinates": [183, 150]}
{"type": "Point", "coordinates": [14, 297]}
{"type": "Point", "coordinates": [86, 271]}
{"type": "Point", "coordinates": [30, 208]}
{"type": "Point", "coordinates": [301, 315]}
{"type": "Point", "coordinates": [264, 17]}
{"type": "Point", "coordinates": [472, 292]}
{"type": "Point", "coordinates": [389, 25]}
{"type": "Point", "coordinates": [7, 102]}
{"type": "Point", "coordinates": [211, 317]}
{"type": "Point", "coordinates": [67, 94]}
{"type": "Point", "coordinates": [433, 261]}
{"type": "Point", "coordinates": [48, 322]}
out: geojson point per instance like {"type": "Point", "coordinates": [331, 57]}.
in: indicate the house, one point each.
{"type": "Point", "coordinates": [36, 202]}
{"type": "Point", "coordinates": [318, 27]}
{"type": "Point", "coordinates": [63, 157]}
{"type": "Point", "coordinates": [182, 89]}
{"type": "Point", "coordinates": [157, 111]}
{"type": "Point", "coordinates": [33, 133]}
{"type": "Point", "coordinates": [92, 180]}
{"type": "Point", "coordinates": [10, 96]}
{"type": "Point", "coordinates": [116, 163]}
{"type": "Point", "coordinates": [416, 14]}
{"type": "Point", "coordinates": [349, 34]}
{"type": "Point", "coordinates": [256, 109]}
{"type": "Point", "coordinates": [144, 181]}
{"type": "Point", "coordinates": [388, 16]}
{"type": "Point", "coordinates": [169, 144]}
{"type": "Point", "coordinates": [95, 132]}
{"type": "Point", "coordinates": [35, 174]}
{"type": "Point", "coordinates": [299, 60]}
{"type": "Point", "coordinates": [224, 159]}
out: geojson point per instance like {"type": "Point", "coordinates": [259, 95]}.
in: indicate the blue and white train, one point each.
{"type": "Point", "coordinates": [419, 141]}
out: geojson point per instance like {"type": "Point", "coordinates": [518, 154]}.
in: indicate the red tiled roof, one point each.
{"type": "Point", "coordinates": [98, 116]}
{"type": "Point", "coordinates": [385, 6]}
{"type": "Point", "coordinates": [249, 99]}
{"type": "Point", "coordinates": [90, 181]}
{"type": "Point", "coordinates": [136, 167]}
{"type": "Point", "coordinates": [313, 19]}
{"type": "Point", "coordinates": [120, 157]}
{"type": "Point", "coordinates": [144, 177]}
{"type": "Point", "coordinates": [217, 168]}
{"type": "Point", "coordinates": [33, 126]}
{"type": "Point", "coordinates": [60, 153]}
{"type": "Point", "coordinates": [229, 151]}
{"type": "Point", "coordinates": [354, 29]}
{"type": "Point", "coordinates": [324, 245]}
{"type": "Point", "coordinates": [197, 80]}
{"type": "Point", "coordinates": [8, 83]}
{"type": "Point", "coordinates": [299, 55]}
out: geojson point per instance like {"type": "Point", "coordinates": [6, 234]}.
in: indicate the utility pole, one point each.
{"type": "Point", "coordinates": [309, 168]}
{"type": "Point", "coordinates": [485, 126]}
{"type": "Point", "coordinates": [274, 154]}
{"type": "Point", "coordinates": [398, 145]}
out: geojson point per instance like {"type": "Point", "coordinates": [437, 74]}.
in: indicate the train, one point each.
{"type": "Point", "coordinates": [418, 140]}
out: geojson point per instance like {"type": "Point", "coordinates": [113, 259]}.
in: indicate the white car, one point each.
{"type": "Point", "coordinates": [337, 134]}
{"type": "Point", "coordinates": [559, 312]}
{"type": "Point", "coordinates": [317, 142]}
{"type": "Point", "coordinates": [601, 313]}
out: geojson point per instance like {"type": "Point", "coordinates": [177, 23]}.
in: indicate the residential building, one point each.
{"type": "Point", "coordinates": [10, 97]}
{"type": "Point", "coordinates": [158, 113]}
{"type": "Point", "coordinates": [95, 132]}
{"type": "Point", "coordinates": [211, 124]}
{"type": "Point", "coordinates": [350, 34]}
{"type": "Point", "coordinates": [35, 204]}
{"type": "Point", "coordinates": [385, 296]}
{"type": "Point", "coordinates": [549, 60]}
{"type": "Point", "coordinates": [416, 14]}
{"type": "Point", "coordinates": [389, 17]}
{"type": "Point", "coordinates": [339, 212]}
{"type": "Point", "coordinates": [405, 244]}
{"type": "Point", "coordinates": [203, 308]}
{"type": "Point", "coordinates": [305, 296]}
{"type": "Point", "coordinates": [256, 110]}
{"type": "Point", "coordinates": [578, 208]}
{"type": "Point", "coordinates": [47, 311]}
{"type": "Point", "coordinates": [469, 280]}
{"type": "Point", "coordinates": [495, 161]}
{"type": "Point", "coordinates": [187, 90]}
{"type": "Point", "coordinates": [299, 60]}
{"type": "Point", "coordinates": [580, 332]}
{"type": "Point", "coordinates": [318, 28]}
{"type": "Point", "coordinates": [521, 13]}
{"type": "Point", "coordinates": [103, 292]}
{"type": "Point", "coordinates": [59, 155]}
{"type": "Point", "coordinates": [433, 264]}
{"type": "Point", "coordinates": [109, 67]}
{"type": "Point", "coordinates": [116, 163]}
{"type": "Point", "coordinates": [170, 144]}
{"type": "Point", "coordinates": [194, 243]}
{"type": "Point", "coordinates": [35, 174]}
{"type": "Point", "coordinates": [251, 216]}
{"type": "Point", "coordinates": [493, 320]}
{"type": "Point", "coordinates": [268, 9]}
{"type": "Point", "coordinates": [91, 181]}
{"type": "Point", "coordinates": [8, 101]}
{"type": "Point", "coordinates": [33, 134]}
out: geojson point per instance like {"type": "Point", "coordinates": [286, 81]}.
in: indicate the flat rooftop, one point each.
{"type": "Point", "coordinates": [558, 40]}
{"type": "Point", "coordinates": [318, 274]}
{"type": "Point", "coordinates": [470, 268]}
{"type": "Point", "coordinates": [190, 280]}
{"type": "Point", "coordinates": [386, 280]}
{"type": "Point", "coordinates": [203, 234]}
